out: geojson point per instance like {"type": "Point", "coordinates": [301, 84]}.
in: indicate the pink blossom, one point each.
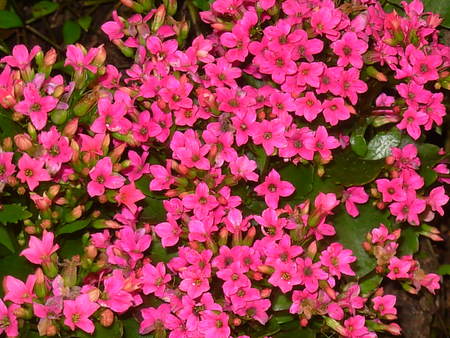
{"type": "Point", "coordinates": [244, 168]}
{"type": "Point", "coordinates": [158, 319]}
{"type": "Point", "coordinates": [308, 106]}
{"type": "Point", "coordinates": [114, 295]}
{"type": "Point", "coordinates": [36, 106]}
{"type": "Point", "coordinates": [18, 291]}
{"type": "Point", "coordinates": [354, 195]}
{"type": "Point", "coordinates": [80, 59]}
{"type": "Point", "coordinates": [334, 110]}
{"type": "Point", "coordinates": [7, 168]}
{"type": "Point", "coordinates": [129, 195]}
{"type": "Point", "coordinates": [9, 320]}
{"type": "Point", "coordinates": [194, 283]}
{"type": "Point", "coordinates": [201, 201]}
{"type": "Point", "coordinates": [437, 199]}
{"type": "Point", "coordinates": [354, 327]}
{"type": "Point", "coordinates": [270, 134]}
{"type": "Point", "coordinates": [39, 251]}
{"type": "Point", "coordinates": [337, 260]}
{"type": "Point", "coordinates": [350, 50]}
{"type": "Point", "coordinates": [20, 57]}
{"type": "Point", "coordinates": [310, 273]}
{"type": "Point", "coordinates": [102, 177]}
{"type": "Point", "coordinates": [399, 268]}
{"type": "Point", "coordinates": [409, 209]}
{"type": "Point", "coordinates": [285, 276]}
{"type": "Point", "coordinates": [385, 305]}
{"type": "Point", "coordinates": [155, 279]}
{"type": "Point", "coordinates": [273, 188]}
{"type": "Point", "coordinates": [78, 311]}
{"type": "Point", "coordinates": [214, 324]}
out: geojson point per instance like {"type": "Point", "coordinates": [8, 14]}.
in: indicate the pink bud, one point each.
{"type": "Point", "coordinates": [23, 142]}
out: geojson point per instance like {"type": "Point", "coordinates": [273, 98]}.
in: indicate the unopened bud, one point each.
{"type": "Point", "coordinates": [158, 18]}
{"type": "Point", "coordinates": [70, 128]}
{"type": "Point", "coordinates": [23, 142]}
{"type": "Point", "coordinates": [106, 318]}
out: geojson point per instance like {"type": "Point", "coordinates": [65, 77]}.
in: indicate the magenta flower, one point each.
{"type": "Point", "coordinates": [194, 283]}
{"type": "Point", "coordinates": [409, 209]}
{"type": "Point", "coordinates": [350, 50]}
{"type": "Point", "coordinates": [31, 171]}
{"type": "Point", "coordinates": [201, 201]}
{"type": "Point", "coordinates": [273, 188]}
{"type": "Point", "coordinates": [285, 276]}
{"type": "Point", "coordinates": [168, 231]}
{"type": "Point", "coordinates": [39, 251]}
{"type": "Point", "coordinates": [102, 177]}
{"type": "Point", "coordinates": [57, 148]}
{"type": "Point", "coordinates": [391, 190]}
{"type": "Point", "coordinates": [354, 327]}
{"type": "Point", "coordinates": [399, 268]}
{"type": "Point", "coordinates": [17, 291]}
{"type": "Point", "coordinates": [322, 143]}
{"type": "Point", "coordinates": [79, 59]}
{"type": "Point", "coordinates": [36, 106]}
{"type": "Point", "coordinates": [413, 118]}
{"type": "Point", "coordinates": [337, 260]}
{"type": "Point", "coordinates": [354, 195]}
{"type": "Point", "coordinates": [8, 319]}
{"type": "Point", "coordinates": [308, 106]}
{"type": "Point", "coordinates": [334, 110]}
{"type": "Point", "coordinates": [437, 199]}
{"type": "Point", "coordinates": [214, 324]}
{"type": "Point", "coordinates": [114, 29]}
{"type": "Point", "coordinates": [244, 168]}
{"type": "Point", "coordinates": [155, 279]}
{"type": "Point", "coordinates": [385, 305]}
{"type": "Point", "coordinates": [7, 168]}
{"type": "Point", "coordinates": [310, 273]}
{"type": "Point", "coordinates": [114, 296]}
{"type": "Point", "coordinates": [78, 311]}
{"type": "Point", "coordinates": [20, 57]}
{"type": "Point", "coordinates": [129, 195]}
{"type": "Point", "coordinates": [158, 319]}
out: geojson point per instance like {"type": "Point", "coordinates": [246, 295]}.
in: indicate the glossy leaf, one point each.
{"type": "Point", "coordinates": [301, 177]}
{"type": "Point", "coordinates": [9, 20]}
{"type": "Point", "coordinates": [153, 211]}
{"type": "Point", "coordinates": [12, 213]}
{"type": "Point", "coordinates": [72, 227]}
{"type": "Point", "coordinates": [370, 283]}
{"type": "Point", "coordinates": [380, 146]}
{"type": "Point", "coordinates": [351, 232]}
{"type": "Point", "coordinates": [7, 240]}
{"type": "Point", "coordinates": [444, 269]}
{"type": "Point", "coordinates": [349, 170]}
{"type": "Point", "coordinates": [281, 302]}
{"type": "Point", "coordinates": [429, 157]}
{"type": "Point", "coordinates": [43, 8]}
{"type": "Point", "coordinates": [85, 22]}
{"type": "Point", "coordinates": [71, 32]}
{"type": "Point", "coordinates": [409, 241]}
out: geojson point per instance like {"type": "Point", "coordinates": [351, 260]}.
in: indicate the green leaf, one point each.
{"type": "Point", "coordinates": [160, 254]}
{"type": "Point", "coordinates": [369, 283]}
{"type": "Point", "coordinates": [12, 213]}
{"type": "Point", "coordinates": [113, 331]}
{"type": "Point", "coordinates": [301, 177]}
{"type": "Point", "coordinates": [352, 232]}
{"type": "Point", "coordinates": [6, 240]}
{"type": "Point", "coordinates": [72, 227]}
{"type": "Point", "coordinates": [85, 22]}
{"type": "Point", "coordinates": [429, 157]}
{"type": "Point", "coordinates": [281, 302]}
{"type": "Point", "coordinates": [380, 146]}
{"type": "Point", "coordinates": [8, 128]}
{"type": "Point", "coordinates": [261, 158]}
{"type": "Point", "coordinates": [444, 269]}
{"type": "Point", "coordinates": [70, 248]}
{"type": "Point", "coordinates": [299, 332]}
{"type": "Point", "coordinates": [143, 185]}
{"type": "Point", "coordinates": [9, 20]}
{"type": "Point", "coordinates": [153, 211]}
{"type": "Point", "coordinates": [201, 4]}
{"type": "Point", "coordinates": [283, 318]}
{"type": "Point", "coordinates": [349, 170]}
{"type": "Point", "coordinates": [71, 32]}
{"type": "Point", "coordinates": [409, 241]}
{"type": "Point", "coordinates": [357, 140]}
{"type": "Point", "coordinates": [43, 8]}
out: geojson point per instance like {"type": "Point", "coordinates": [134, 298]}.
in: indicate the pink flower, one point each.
{"type": "Point", "coordinates": [337, 260]}
{"type": "Point", "coordinates": [79, 59]}
{"type": "Point", "coordinates": [111, 117]}
{"type": "Point", "coordinates": [31, 171]}
{"type": "Point", "coordinates": [155, 279]}
{"type": "Point", "coordinates": [7, 168]}
{"type": "Point", "coordinates": [350, 50]}
{"type": "Point", "coordinates": [102, 177]}
{"type": "Point", "coordinates": [308, 106]}
{"type": "Point", "coordinates": [114, 296]}
{"type": "Point", "coordinates": [273, 188]}
{"type": "Point", "coordinates": [114, 29]}
{"type": "Point", "coordinates": [194, 283]}
{"type": "Point", "coordinates": [36, 106]}
{"type": "Point", "coordinates": [354, 327]}
{"type": "Point", "coordinates": [158, 319]}
{"type": "Point", "coordinates": [201, 230]}
{"type": "Point", "coordinates": [168, 231]}
{"type": "Point", "coordinates": [285, 276]}
{"type": "Point", "coordinates": [431, 282]}
{"type": "Point", "coordinates": [322, 143]}
{"type": "Point", "coordinates": [399, 268]}
{"type": "Point", "coordinates": [437, 199]}
{"type": "Point", "coordinates": [57, 148]}
{"type": "Point", "coordinates": [244, 168]}
{"type": "Point", "coordinates": [78, 311]}
{"type": "Point", "coordinates": [334, 110]}
{"type": "Point", "coordinates": [201, 201]}
{"type": "Point", "coordinates": [20, 57]}
{"type": "Point", "coordinates": [354, 195]}
{"type": "Point", "coordinates": [214, 324]}
{"type": "Point", "coordinates": [310, 273]}
{"type": "Point", "coordinates": [39, 251]}
{"type": "Point", "coordinates": [270, 134]}
{"type": "Point", "coordinates": [8, 320]}
{"type": "Point", "coordinates": [18, 291]}
{"type": "Point", "coordinates": [412, 120]}
{"type": "Point", "coordinates": [385, 305]}
{"type": "Point", "coordinates": [409, 209]}
{"type": "Point", "coordinates": [129, 195]}
{"type": "Point", "coordinates": [391, 190]}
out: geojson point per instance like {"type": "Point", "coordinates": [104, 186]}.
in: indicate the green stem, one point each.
{"type": "Point", "coordinates": [43, 37]}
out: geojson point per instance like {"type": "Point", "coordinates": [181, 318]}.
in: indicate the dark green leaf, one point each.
{"type": "Point", "coordinates": [85, 22]}
{"type": "Point", "coordinates": [351, 232]}
{"type": "Point", "coordinates": [8, 128]}
{"type": "Point", "coordinates": [380, 146]}
{"type": "Point", "coordinates": [153, 211]}
{"type": "Point", "coordinates": [12, 213]}
{"type": "Point", "coordinates": [160, 254]}
{"type": "Point", "coordinates": [441, 7]}
{"type": "Point", "coordinates": [409, 241]}
{"type": "Point", "coordinates": [281, 302]}
{"type": "Point", "coordinates": [261, 158]}
{"type": "Point", "coordinates": [113, 331]}
{"type": "Point", "coordinates": [143, 185]}
{"type": "Point", "coordinates": [429, 157]}
{"type": "Point", "coordinates": [72, 227]}
{"type": "Point", "coordinates": [201, 4]}
{"type": "Point", "coordinates": [9, 20]}
{"type": "Point", "coordinates": [71, 247]}
{"type": "Point", "coordinates": [301, 177]}
{"type": "Point", "coordinates": [71, 32]}
{"type": "Point", "coordinates": [6, 240]}
{"type": "Point", "coordinates": [370, 283]}
{"type": "Point", "coordinates": [43, 8]}
{"type": "Point", "coordinates": [357, 140]}
{"type": "Point", "coordinates": [299, 332]}
{"type": "Point", "coordinates": [283, 318]}
{"type": "Point", "coordinates": [348, 169]}
{"type": "Point", "coordinates": [444, 269]}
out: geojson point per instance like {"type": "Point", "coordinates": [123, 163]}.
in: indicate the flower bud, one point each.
{"type": "Point", "coordinates": [7, 144]}
{"type": "Point", "coordinates": [159, 18]}
{"type": "Point", "coordinates": [171, 6]}
{"type": "Point", "coordinates": [23, 142]}
{"type": "Point", "coordinates": [106, 318]}
{"type": "Point", "coordinates": [70, 128]}
{"type": "Point", "coordinates": [59, 116]}
{"type": "Point", "coordinates": [40, 287]}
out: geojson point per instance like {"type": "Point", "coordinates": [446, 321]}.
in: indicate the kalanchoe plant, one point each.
{"type": "Point", "coordinates": [256, 181]}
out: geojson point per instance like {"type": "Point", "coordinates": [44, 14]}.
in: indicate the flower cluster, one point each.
{"type": "Point", "coordinates": [202, 176]}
